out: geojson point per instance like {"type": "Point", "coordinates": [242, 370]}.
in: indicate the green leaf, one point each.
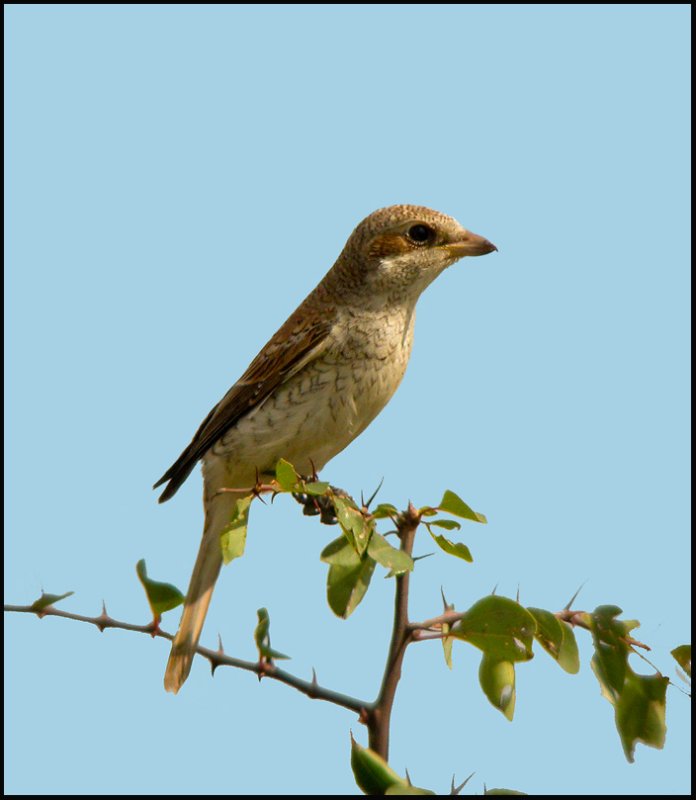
{"type": "Point", "coordinates": [610, 660]}
{"type": "Point", "coordinates": [384, 510]}
{"type": "Point", "coordinates": [428, 511]}
{"type": "Point", "coordinates": [383, 553]}
{"type": "Point", "coordinates": [638, 700]}
{"type": "Point", "coordinates": [161, 596]}
{"type": "Point", "coordinates": [340, 551]}
{"type": "Point", "coordinates": [500, 627]}
{"type": "Point", "coordinates": [447, 641]}
{"type": "Point", "coordinates": [346, 586]}
{"type": "Point", "coordinates": [316, 488]}
{"type": "Point", "coordinates": [497, 679]}
{"type": "Point", "coordinates": [372, 773]}
{"type": "Point", "coordinates": [557, 638]}
{"type": "Point", "coordinates": [286, 476]}
{"type": "Point", "coordinates": [233, 536]}
{"type": "Point", "coordinates": [262, 637]}
{"type": "Point", "coordinates": [682, 655]}
{"type": "Point", "coordinates": [375, 777]}
{"type": "Point", "coordinates": [569, 658]}
{"type": "Point", "coordinates": [640, 712]}
{"type": "Point", "coordinates": [453, 504]}
{"type": "Point", "coordinates": [447, 524]}
{"type": "Point", "coordinates": [352, 521]}
{"type": "Point", "coordinates": [605, 687]}
{"type": "Point", "coordinates": [47, 600]}
{"type": "Point", "coordinates": [453, 548]}
{"type": "Point", "coordinates": [348, 579]}
{"type": "Point", "coordinates": [549, 633]}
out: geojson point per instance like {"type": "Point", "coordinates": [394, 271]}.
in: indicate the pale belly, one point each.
{"type": "Point", "coordinates": [312, 417]}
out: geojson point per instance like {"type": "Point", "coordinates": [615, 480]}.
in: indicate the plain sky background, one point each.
{"type": "Point", "coordinates": [178, 179]}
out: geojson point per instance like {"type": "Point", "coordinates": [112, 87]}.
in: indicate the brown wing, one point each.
{"type": "Point", "coordinates": [301, 339]}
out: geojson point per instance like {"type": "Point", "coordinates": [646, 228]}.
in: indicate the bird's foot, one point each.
{"type": "Point", "coordinates": [321, 506]}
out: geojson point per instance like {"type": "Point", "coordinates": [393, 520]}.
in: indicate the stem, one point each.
{"type": "Point", "coordinates": [379, 716]}
{"type": "Point", "coordinates": [217, 658]}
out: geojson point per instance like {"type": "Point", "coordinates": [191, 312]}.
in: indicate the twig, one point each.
{"type": "Point", "coordinates": [447, 617]}
{"type": "Point", "coordinates": [578, 618]}
{"type": "Point", "coordinates": [217, 658]}
{"type": "Point", "coordinates": [419, 635]}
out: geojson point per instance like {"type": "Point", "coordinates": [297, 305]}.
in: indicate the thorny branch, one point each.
{"type": "Point", "coordinates": [375, 715]}
{"type": "Point", "coordinates": [379, 717]}
{"type": "Point", "coordinates": [423, 630]}
{"type": "Point", "coordinates": [217, 658]}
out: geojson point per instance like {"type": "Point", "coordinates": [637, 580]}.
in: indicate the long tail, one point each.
{"type": "Point", "coordinates": [205, 574]}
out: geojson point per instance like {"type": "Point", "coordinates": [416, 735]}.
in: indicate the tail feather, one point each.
{"type": "Point", "coordinates": [205, 574]}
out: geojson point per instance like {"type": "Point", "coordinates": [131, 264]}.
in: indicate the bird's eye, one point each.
{"type": "Point", "coordinates": [420, 234]}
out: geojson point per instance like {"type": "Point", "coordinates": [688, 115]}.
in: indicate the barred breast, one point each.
{"type": "Point", "coordinates": [317, 413]}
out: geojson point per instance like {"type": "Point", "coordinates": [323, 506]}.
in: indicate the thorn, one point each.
{"type": "Point", "coordinates": [457, 790]}
{"type": "Point", "coordinates": [220, 649]}
{"type": "Point", "coordinates": [156, 626]}
{"type": "Point", "coordinates": [418, 558]}
{"type": "Point", "coordinates": [408, 778]}
{"type": "Point", "coordinates": [103, 620]}
{"type": "Point", "coordinates": [493, 591]}
{"type": "Point", "coordinates": [517, 598]}
{"type": "Point", "coordinates": [374, 494]}
{"type": "Point", "coordinates": [444, 599]}
{"type": "Point", "coordinates": [574, 597]}
{"type": "Point", "coordinates": [314, 678]}
{"type": "Point", "coordinates": [256, 491]}
{"type": "Point", "coordinates": [362, 500]}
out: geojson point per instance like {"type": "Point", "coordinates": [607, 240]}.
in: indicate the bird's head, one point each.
{"type": "Point", "coordinates": [398, 251]}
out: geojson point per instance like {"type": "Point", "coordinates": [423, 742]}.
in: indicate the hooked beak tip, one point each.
{"type": "Point", "coordinates": [471, 244]}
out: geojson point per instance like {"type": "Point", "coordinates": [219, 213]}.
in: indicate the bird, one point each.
{"type": "Point", "coordinates": [316, 385]}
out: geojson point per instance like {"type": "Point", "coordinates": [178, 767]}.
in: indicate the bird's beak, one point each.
{"type": "Point", "coordinates": [469, 244]}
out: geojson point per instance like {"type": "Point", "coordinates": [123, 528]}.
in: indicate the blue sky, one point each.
{"type": "Point", "coordinates": [177, 179]}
